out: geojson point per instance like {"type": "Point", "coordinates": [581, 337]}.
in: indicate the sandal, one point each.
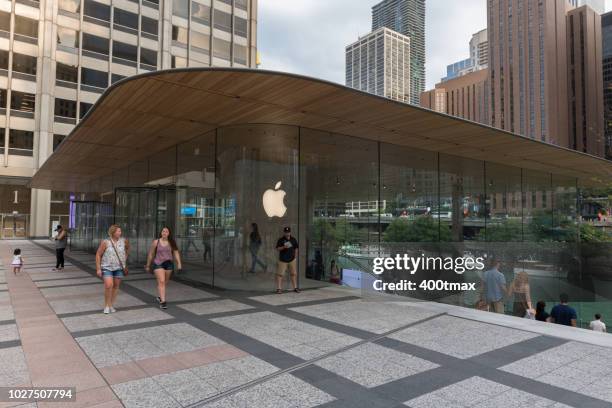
{"type": "Point", "coordinates": [279, 291]}
{"type": "Point", "coordinates": [296, 290]}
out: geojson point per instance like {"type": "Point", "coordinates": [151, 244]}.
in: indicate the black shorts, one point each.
{"type": "Point", "coordinates": [167, 265]}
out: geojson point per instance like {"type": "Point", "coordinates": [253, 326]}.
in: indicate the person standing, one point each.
{"type": "Point", "coordinates": [61, 241]}
{"type": "Point", "coordinates": [162, 252]}
{"type": "Point", "coordinates": [494, 287]}
{"type": "Point", "coordinates": [111, 265]}
{"type": "Point", "coordinates": [597, 325]}
{"type": "Point", "coordinates": [541, 314]}
{"type": "Point", "coordinates": [287, 248]}
{"type": "Point", "coordinates": [519, 288]}
{"type": "Point", "coordinates": [254, 246]}
{"type": "Point", "coordinates": [563, 313]}
{"type": "Point", "coordinates": [334, 273]}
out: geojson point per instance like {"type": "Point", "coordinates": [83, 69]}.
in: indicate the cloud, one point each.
{"type": "Point", "coordinates": [309, 36]}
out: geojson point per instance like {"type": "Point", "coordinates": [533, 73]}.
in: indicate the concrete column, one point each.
{"type": "Point", "coordinates": [40, 209]}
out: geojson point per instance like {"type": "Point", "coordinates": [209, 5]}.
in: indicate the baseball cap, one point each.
{"type": "Point", "coordinates": [287, 229]}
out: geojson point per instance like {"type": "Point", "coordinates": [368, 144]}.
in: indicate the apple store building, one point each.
{"type": "Point", "coordinates": [229, 157]}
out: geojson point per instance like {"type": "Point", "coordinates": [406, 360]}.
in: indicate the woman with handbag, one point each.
{"type": "Point", "coordinates": [111, 265]}
{"type": "Point", "coordinates": [519, 289]}
{"type": "Point", "coordinates": [162, 252]}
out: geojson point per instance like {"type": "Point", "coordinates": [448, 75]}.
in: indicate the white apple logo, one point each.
{"type": "Point", "coordinates": [274, 202]}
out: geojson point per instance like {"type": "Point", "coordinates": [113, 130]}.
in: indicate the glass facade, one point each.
{"type": "Point", "coordinates": [349, 200]}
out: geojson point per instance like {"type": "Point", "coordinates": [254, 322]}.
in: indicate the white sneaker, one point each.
{"type": "Point", "coordinates": [107, 310]}
{"type": "Point", "coordinates": [112, 309]}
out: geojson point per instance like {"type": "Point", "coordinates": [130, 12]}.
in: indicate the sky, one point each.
{"type": "Point", "coordinates": [309, 36]}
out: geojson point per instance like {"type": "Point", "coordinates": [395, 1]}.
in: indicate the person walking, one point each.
{"type": "Point", "coordinates": [162, 253]}
{"type": "Point", "coordinates": [494, 287]}
{"type": "Point", "coordinates": [563, 313]}
{"type": "Point", "coordinates": [61, 241]}
{"type": "Point", "coordinates": [519, 289]}
{"type": "Point", "coordinates": [287, 248]}
{"type": "Point", "coordinates": [254, 246]}
{"type": "Point", "coordinates": [597, 325]}
{"type": "Point", "coordinates": [111, 265]}
{"type": "Point", "coordinates": [17, 261]}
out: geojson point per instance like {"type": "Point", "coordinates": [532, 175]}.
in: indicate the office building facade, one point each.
{"type": "Point", "coordinates": [408, 18]}
{"type": "Point", "coordinates": [606, 35]}
{"type": "Point", "coordinates": [465, 96]}
{"type": "Point", "coordinates": [379, 63]}
{"type": "Point", "coordinates": [532, 76]}
{"type": "Point", "coordinates": [58, 57]}
{"type": "Point", "coordinates": [479, 57]}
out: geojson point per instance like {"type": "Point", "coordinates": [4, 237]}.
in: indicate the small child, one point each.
{"type": "Point", "coordinates": [17, 261]}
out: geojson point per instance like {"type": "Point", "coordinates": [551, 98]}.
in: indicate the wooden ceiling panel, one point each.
{"type": "Point", "coordinates": [149, 113]}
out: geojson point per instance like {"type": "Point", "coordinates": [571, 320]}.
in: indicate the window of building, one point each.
{"type": "Point", "coordinates": [116, 77]}
{"type": "Point", "coordinates": [57, 139]}
{"type": "Point", "coordinates": [180, 8]}
{"type": "Point", "coordinates": [240, 54]}
{"type": "Point", "coordinates": [223, 21]}
{"type": "Point", "coordinates": [2, 138]}
{"type": "Point", "coordinates": [24, 63]}
{"type": "Point", "coordinates": [200, 13]}
{"type": "Point", "coordinates": [125, 51]}
{"type": "Point", "coordinates": [95, 44]}
{"type": "Point", "coordinates": [149, 25]}
{"type": "Point", "coordinates": [68, 73]}
{"type": "Point", "coordinates": [94, 77]}
{"type": "Point", "coordinates": [5, 21]}
{"type": "Point", "coordinates": [72, 6]}
{"type": "Point", "coordinates": [240, 26]}
{"type": "Point", "coordinates": [241, 4]}
{"type": "Point", "coordinates": [125, 18]}
{"type": "Point", "coordinates": [200, 41]}
{"type": "Point", "coordinates": [26, 26]}
{"type": "Point", "coordinates": [3, 98]}
{"type": "Point", "coordinates": [4, 57]}
{"type": "Point", "coordinates": [84, 108]}
{"type": "Point", "coordinates": [65, 108]}
{"type": "Point", "coordinates": [178, 62]}
{"type": "Point", "coordinates": [221, 48]}
{"type": "Point", "coordinates": [96, 10]}
{"type": "Point", "coordinates": [22, 101]}
{"type": "Point", "coordinates": [179, 35]}
{"type": "Point", "coordinates": [21, 142]}
{"type": "Point", "coordinates": [148, 57]}
{"type": "Point", "coordinates": [67, 37]}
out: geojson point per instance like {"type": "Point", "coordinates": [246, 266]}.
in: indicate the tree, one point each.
{"type": "Point", "coordinates": [423, 229]}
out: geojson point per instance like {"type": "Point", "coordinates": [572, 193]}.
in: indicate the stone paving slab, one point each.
{"type": "Point", "coordinates": [67, 282]}
{"type": "Point", "coordinates": [304, 296]}
{"type": "Point", "coordinates": [459, 337]}
{"type": "Point", "coordinates": [120, 318]}
{"type": "Point", "coordinates": [292, 336]}
{"type": "Point", "coordinates": [174, 290]}
{"type": "Point", "coordinates": [214, 306]}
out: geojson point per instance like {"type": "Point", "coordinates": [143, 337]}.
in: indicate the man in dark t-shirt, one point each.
{"type": "Point", "coordinates": [287, 248]}
{"type": "Point", "coordinates": [563, 313]}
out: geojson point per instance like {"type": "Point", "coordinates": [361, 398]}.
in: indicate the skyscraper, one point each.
{"type": "Point", "coordinates": [538, 64]}
{"type": "Point", "coordinates": [606, 34]}
{"type": "Point", "coordinates": [408, 18]}
{"type": "Point", "coordinates": [58, 56]}
{"type": "Point", "coordinates": [379, 63]}
{"type": "Point", "coordinates": [479, 57]}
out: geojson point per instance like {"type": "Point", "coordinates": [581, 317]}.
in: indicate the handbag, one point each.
{"type": "Point", "coordinates": [118, 257]}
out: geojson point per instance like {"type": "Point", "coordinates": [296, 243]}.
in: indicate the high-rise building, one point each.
{"type": "Point", "coordinates": [606, 35]}
{"type": "Point", "coordinates": [530, 70]}
{"type": "Point", "coordinates": [408, 18]}
{"type": "Point", "coordinates": [379, 63]}
{"type": "Point", "coordinates": [58, 56]}
{"type": "Point", "coordinates": [586, 117]}
{"type": "Point", "coordinates": [465, 96]}
{"type": "Point", "coordinates": [597, 5]}
{"type": "Point", "coordinates": [479, 57]}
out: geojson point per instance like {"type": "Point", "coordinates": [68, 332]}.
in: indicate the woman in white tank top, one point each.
{"type": "Point", "coordinates": [111, 265]}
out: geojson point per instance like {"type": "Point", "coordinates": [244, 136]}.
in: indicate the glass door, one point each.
{"type": "Point", "coordinates": [14, 226]}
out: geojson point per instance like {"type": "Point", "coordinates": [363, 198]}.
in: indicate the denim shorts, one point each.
{"type": "Point", "coordinates": [112, 274]}
{"type": "Point", "coordinates": [167, 265]}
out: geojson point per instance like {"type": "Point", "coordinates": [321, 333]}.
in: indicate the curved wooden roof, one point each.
{"type": "Point", "coordinates": [145, 114]}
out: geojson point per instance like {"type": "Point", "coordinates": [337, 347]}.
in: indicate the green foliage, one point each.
{"type": "Point", "coordinates": [506, 231]}
{"type": "Point", "coordinates": [423, 229]}
{"type": "Point", "coordinates": [589, 233]}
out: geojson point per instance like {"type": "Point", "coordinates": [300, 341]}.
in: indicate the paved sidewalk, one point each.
{"type": "Point", "coordinates": [322, 347]}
